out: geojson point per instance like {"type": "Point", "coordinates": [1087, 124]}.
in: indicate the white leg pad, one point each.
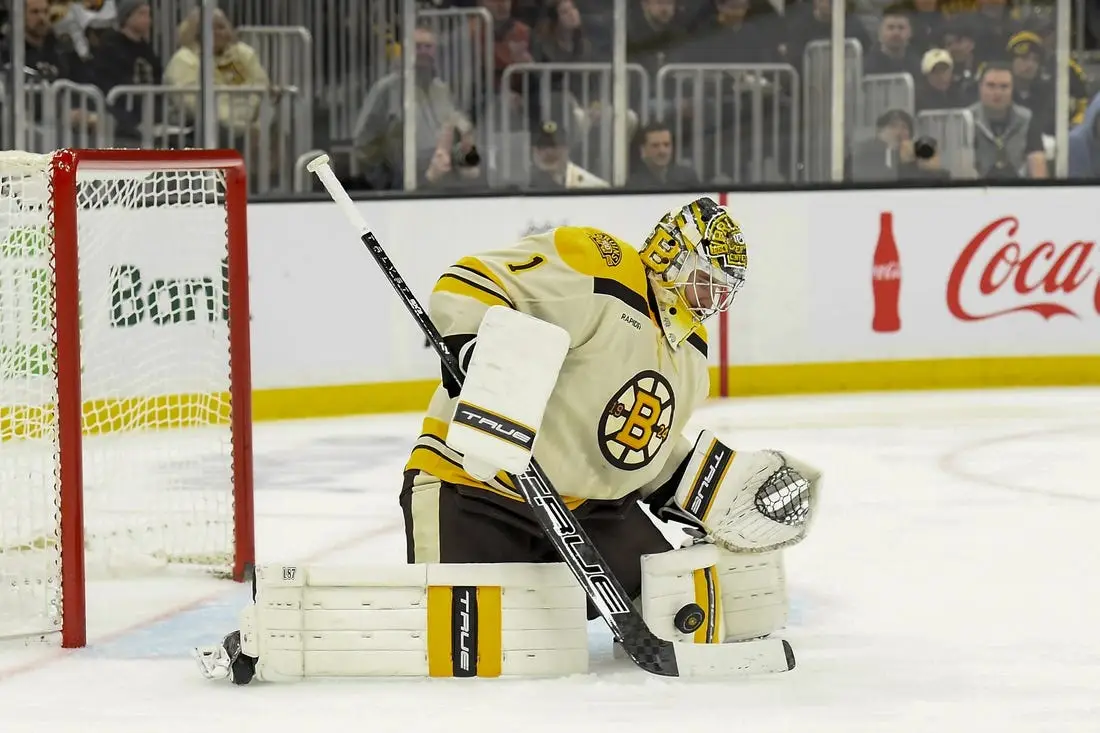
{"type": "Point", "coordinates": [428, 620]}
{"type": "Point", "coordinates": [754, 593]}
{"type": "Point", "coordinates": [742, 596]}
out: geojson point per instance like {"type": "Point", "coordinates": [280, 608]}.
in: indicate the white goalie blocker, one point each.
{"type": "Point", "coordinates": [427, 620]}
{"type": "Point", "coordinates": [509, 380]}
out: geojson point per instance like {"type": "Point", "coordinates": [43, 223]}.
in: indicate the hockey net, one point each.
{"type": "Point", "coordinates": [124, 375]}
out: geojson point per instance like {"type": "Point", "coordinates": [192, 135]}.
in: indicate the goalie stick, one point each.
{"type": "Point", "coordinates": [650, 652]}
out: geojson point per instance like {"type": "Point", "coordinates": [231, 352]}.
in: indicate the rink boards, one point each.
{"type": "Point", "coordinates": [997, 287]}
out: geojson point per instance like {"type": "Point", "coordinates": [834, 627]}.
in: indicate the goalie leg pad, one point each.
{"type": "Point", "coordinates": [427, 620]}
{"type": "Point", "coordinates": [741, 595]}
{"type": "Point", "coordinates": [511, 375]}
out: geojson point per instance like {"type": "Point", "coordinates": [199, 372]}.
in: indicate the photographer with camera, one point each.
{"type": "Point", "coordinates": [455, 161]}
{"type": "Point", "coordinates": [893, 154]}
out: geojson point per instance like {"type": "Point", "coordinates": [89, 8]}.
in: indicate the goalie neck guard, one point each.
{"type": "Point", "coordinates": [697, 259]}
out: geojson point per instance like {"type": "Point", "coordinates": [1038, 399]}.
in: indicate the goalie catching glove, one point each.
{"type": "Point", "coordinates": [746, 501]}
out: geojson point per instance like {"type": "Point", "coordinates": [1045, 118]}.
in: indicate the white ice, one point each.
{"type": "Point", "coordinates": [950, 584]}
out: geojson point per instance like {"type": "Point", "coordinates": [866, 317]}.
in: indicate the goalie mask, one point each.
{"type": "Point", "coordinates": [697, 254]}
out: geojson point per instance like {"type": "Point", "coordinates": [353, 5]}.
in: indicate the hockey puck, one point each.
{"type": "Point", "coordinates": [689, 618]}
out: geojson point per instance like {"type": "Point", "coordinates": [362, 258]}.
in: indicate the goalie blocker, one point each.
{"type": "Point", "coordinates": [478, 620]}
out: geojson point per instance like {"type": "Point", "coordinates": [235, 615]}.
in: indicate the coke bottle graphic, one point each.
{"type": "Point", "coordinates": [886, 278]}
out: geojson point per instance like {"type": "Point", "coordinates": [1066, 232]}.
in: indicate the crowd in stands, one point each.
{"type": "Point", "coordinates": [107, 44]}
{"type": "Point", "coordinates": [993, 59]}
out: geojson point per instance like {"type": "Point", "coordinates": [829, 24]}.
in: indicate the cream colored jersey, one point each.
{"type": "Point", "coordinates": [615, 420]}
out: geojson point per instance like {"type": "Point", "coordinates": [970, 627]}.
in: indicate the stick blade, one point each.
{"type": "Point", "coordinates": [735, 659]}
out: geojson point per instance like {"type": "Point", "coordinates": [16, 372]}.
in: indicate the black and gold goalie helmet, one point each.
{"type": "Point", "coordinates": [698, 252]}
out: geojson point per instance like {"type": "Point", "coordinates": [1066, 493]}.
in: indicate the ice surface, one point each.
{"type": "Point", "coordinates": [950, 584]}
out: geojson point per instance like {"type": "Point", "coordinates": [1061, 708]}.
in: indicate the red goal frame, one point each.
{"type": "Point", "coordinates": [63, 177]}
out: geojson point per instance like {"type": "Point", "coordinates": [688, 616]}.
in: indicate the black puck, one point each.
{"type": "Point", "coordinates": [689, 618]}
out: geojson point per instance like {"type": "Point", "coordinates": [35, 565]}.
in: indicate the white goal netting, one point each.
{"type": "Point", "coordinates": [155, 367]}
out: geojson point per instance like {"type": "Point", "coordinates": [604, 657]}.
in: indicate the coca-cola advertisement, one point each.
{"type": "Point", "coordinates": [964, 272]}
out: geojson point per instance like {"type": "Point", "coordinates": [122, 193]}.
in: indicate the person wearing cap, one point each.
{"type": "Point", "coordinates": [1029, 88]}
{"type": "Point", "coordinates": [551, 168]}
{"type": "Point", "coordinates": [125, 56]}
{"type": "Point", "coordinates": [1079, 95]}
{"type": "Point", "coordinates": [937, 90]}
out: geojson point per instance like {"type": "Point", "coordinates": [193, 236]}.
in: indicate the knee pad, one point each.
{"type": "Point", "coordinates": [708, 595]}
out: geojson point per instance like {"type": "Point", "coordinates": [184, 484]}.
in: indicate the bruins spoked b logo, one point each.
{"type": "Point", "coordinates": [636, 422]}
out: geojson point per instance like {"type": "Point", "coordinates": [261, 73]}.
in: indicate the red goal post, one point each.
{"type": "Point", "coordinates": [125, 375]}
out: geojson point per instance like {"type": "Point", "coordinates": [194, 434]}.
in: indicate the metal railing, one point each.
{"type": "Point", "coordinates": [575, 96]}
{"type": "Point", "coordinates": [59, 114]}
{"type": "Point", "coordinates": [736, 123]}
{"type": "Point", "coordinates": [286, 53]}
{"type": "Point", "coordinates": [257, 120]}
{"type": "Point", "coordinates": [817, 69]}
{"type": "Point", "coordinates": [884, 92]}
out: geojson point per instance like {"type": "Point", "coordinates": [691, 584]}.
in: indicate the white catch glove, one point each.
{"type": "Point", "coordinates": [748, 501]}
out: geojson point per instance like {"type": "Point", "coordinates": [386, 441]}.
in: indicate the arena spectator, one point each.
{"type": "Point", "coordinates": [656, 34]}
{"type": "Point", "coordinates": [813, 21]}
{"type": "Point", "coordinates": [560, 37]}
{"type": "Point", "coordinates": [551, 168]}
{"type": "Point", "coordinates": [936, 88]}
{"type": "Point", "coordinates": [654, 169]}
{"type": "Point", "coordinates": [235, 64]}
{"type": "Point", "coordinates": [892, 54]}
{"type": "Point", "coordinates": [380, 143]}
{"type": "Point", "coordinates": [126, 57]}
{"type": "Point", "coordinates": [927, 22]}
{"type": "Point", "coordinates": [735, 32]}
{"type": "Point", "coordinates": [455, 162]}
{"type": "Point", "coordinates": [1029, 89]}
{"type": "Point", "coordinates": [47, 55]}
{"type": "Point", "coordinates": [891, 154]}
{"type": "Point", "coordinates": [960, 40]}
{"type": "Point", "coordinates": [1084, 144]}
{"type": "Point", "coordinates": [84, 22]}
{"type": "Point", "coordinates": [1007, 142]}
{"type": "Point", "coordinates": [511, 37]}
{"type": "Point", "coordinates": [992, 24]}
{"type": "Point", "coordinates": [1078, 80]}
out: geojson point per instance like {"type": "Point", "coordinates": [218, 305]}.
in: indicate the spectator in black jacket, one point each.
{"type": "Point", "coordinates": [654, 168]}
{"type": "Point", "coordinates": [126, 57]}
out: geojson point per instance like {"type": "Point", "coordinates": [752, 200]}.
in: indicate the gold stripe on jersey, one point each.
{"type": "Point", "coordinates": [473, 264]}
{"type": "Point", "coordinates": [591, 251]}
{"type": "Point", "coordinates": [708, 594]}
{"type": "Point", "coordinates": [432, 455]}
{"type": "Point", "coordinates": [464, 284]}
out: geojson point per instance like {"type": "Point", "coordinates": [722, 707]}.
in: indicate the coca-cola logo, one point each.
{"type": "Point", "coordinates": [1044, 276]}
{"type": "Point", "coordinates": [887, 271]}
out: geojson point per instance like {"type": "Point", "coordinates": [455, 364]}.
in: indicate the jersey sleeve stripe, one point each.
{"type": "Point", "coordinates": [474, 265]}
{"type": "Point", "coordinates": [452, 283]}
{"type": "Point", "coordinates": [698, 342]}
{"type": "Point", "coordinates": [615, 289]}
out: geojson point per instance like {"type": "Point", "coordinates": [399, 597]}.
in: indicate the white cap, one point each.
{"type": "Point", "coordinates": [933, 57]}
